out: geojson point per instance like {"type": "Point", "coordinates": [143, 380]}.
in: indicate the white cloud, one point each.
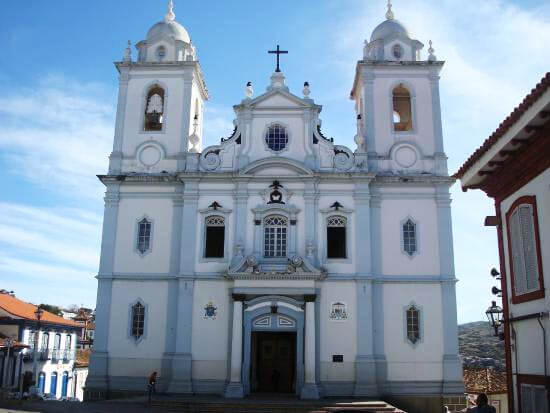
{"type": "Point", "coordinates": [217, 123]}
{"type": "Point", "coordinates": [58, 135]}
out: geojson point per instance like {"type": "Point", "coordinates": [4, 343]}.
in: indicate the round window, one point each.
{"type": "Point", "coordinates": [276, 138]}
{"type": "Point", "coordinates": [397, 51]}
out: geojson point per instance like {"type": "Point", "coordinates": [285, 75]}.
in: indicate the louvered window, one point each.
{"type": "Point", "coordinates": [524, 249]}
{"type": "Point", "coordinates": [534, 399]}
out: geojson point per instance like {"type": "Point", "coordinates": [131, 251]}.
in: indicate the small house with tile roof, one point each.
{"type": "Point", "coordinates": [49, 348]}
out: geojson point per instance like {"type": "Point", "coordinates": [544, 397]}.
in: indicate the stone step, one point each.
{"type": "Point", "coordinates": [288, 406]}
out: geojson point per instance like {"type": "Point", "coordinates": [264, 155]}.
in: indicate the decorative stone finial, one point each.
{"type": "Point", "coordinates": [389, 13]}
{"type": "Point", "coordinates": [170, 16]}
{"type": "Point", "coordinates": [128, 53]}
{"type": "Point", "coordinates": [306, 90]}
{"type": "Point", "coordinates": [431, 56]}
{"type": "Point", "coordinates": [248, 91]}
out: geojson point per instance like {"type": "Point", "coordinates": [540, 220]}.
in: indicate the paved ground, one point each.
{"type": "Point", "coordinates": [76, 407]}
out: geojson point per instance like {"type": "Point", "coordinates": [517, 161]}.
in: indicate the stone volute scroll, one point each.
{"type": "Point", "coordinates": [343, 158]}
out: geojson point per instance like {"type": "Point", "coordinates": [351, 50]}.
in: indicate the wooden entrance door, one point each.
{"type": "Point", "coordinates": [275, 362]}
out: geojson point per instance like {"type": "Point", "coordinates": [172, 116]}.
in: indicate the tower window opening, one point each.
{"type": "Point", "coordinates": [161, 53]}
{"type": "Point", "coordinates": [402, 109]}
{"type": "Point", "coordinates": [154, 109]}
{"type": "Point", "coordinates": [397, 51]}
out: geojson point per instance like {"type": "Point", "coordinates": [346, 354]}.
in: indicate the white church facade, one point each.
{"type": "Point", "coordinates": [277, 260]}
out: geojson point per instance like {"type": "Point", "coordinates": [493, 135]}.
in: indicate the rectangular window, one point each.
{"type": "Point", "coordinates": [336, 237]}
{"type": "Point", "coordinates": [215, 237]}
{"type": "Point", "coordinates": [138, 320]}
{"type": "Point", "coordinates": [524, 250]}
{"type": "Point", "coordinates": [275, 237]}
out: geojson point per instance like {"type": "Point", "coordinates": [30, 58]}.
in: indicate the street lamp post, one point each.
{"type": "Point", "coordinates": [9, 343]}
{"type": "Point", "coordinates": [494, 315]}
{"type": "Point", "coordinates": [38, 314]}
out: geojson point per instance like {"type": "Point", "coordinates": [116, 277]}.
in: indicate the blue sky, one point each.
{"type": "Point", "coordinates": [59, 91]}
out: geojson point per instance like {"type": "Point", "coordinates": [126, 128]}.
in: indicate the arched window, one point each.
{"type": "Point", "coordinates": [276, 137]}
{"type": "Point", "coordinates": [336, 236]}
{"type": "Point", "coordinates": [68, 342]}
{"type": "Point", "coordinates": [409, 237]}
{"type": "Point", "coordinates": [154, 109]}
{"type": "Point", "coordinates": [138, 320]}
{"type": "Point", "coordinates": [144, 236]}
{"type": "Point", "coordinates": [397, 51]}
{"type": "Point", "coordinates": [53, 384]}
{"type": "Point", "coordinates": [402, 108]}
{"type": "Point", "coordinates": [160, 53]}
{"type": "Point", "coordinates": [215, 237]}
{"type": "Point", "coordinates": [275, 236]}
{"type": "Point", "coordinates": [413, 324]}
{"type": "Point", "coordinates": [57, 342]}
{"type": "Point", "coordinates": [41, 382]}
{"type": "Point", "coordinates": [45, 340]}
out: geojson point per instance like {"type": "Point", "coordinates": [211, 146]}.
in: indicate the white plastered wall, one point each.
{"type": "Point", "coordinates": [131, 210]}
{"type": "Point", "coordinates": [424, 213]}
{"type": "Point", "coordinates": [210, 337]}
{"type": "Point", "coordinates": [129, 357]}
{"type": "Point", "coordinates": [405, 361]}
{"type": "Point", "coordinates": [338, 337]}
{"type": "Point", "coordinates": [529, 333]}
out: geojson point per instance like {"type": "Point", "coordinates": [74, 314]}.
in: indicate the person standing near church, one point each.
{"type": "Point", "coordinates": [482, 405]}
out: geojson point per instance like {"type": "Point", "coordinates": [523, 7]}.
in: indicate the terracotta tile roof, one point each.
{"type": "Point", "coordinates": [485, 381]}
{"type": "Point", "coordinates": [505, 125]}
{"type": "Point", "coordinates": [22, 309]}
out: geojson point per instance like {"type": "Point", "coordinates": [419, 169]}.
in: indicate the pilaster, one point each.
{"type": "Point", "coordinates": [452, 367]}
{"type": "Point", "coordinates": [361, 197]}
{"type": "Point", "coordinates": [185, 119]}
{"type": "Point", "coordinates": [98, 370]}
{"type": "Point", "coordinates": [439, 152]}
{"type": "Point", "coordinates": [365, 365]}
{"type": "Point", "coordinates": [115, 159]}
{"type": "Point", "coordinates": [189, 226]}
{"type": "Point", "coordinates": [311, 198]}
{"type": "Point", "coordinates": [181, 358]}
{"type": "Point", "coordinates": [310, 389]}
{"type": "Point", "coordinates": [234, 388]}
{"type": "Point", "coordinates": [369, 118]}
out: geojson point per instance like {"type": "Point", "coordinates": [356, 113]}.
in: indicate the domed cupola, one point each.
{"type": "Point", "coordinates": [390, 40]}
{"type": "Point", "coordinates": [166, 41]}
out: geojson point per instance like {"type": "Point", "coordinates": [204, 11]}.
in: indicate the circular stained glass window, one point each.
{"type": "Point", "coordinates": [276, 137]}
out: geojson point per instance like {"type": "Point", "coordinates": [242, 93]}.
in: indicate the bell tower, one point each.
{"type": "Point", "coordinates": [159, 121]}
{"type": "Point", "coordinates": [402, 132]}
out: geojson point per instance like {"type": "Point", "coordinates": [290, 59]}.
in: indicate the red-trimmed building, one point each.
{"type": "Point", "coordinates": [513, 167]}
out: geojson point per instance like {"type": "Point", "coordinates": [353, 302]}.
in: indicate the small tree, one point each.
{"type": "Point", "coordinates": [52, 309]}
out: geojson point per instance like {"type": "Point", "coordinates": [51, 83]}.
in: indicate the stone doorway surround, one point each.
{"type": "Point", "coordinates": [273, 313]}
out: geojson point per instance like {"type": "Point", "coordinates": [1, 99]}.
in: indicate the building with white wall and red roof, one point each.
{"type": "Point", "coordinates": [45, 366]}
{"type": "Point", "coordinates": [513, 167]}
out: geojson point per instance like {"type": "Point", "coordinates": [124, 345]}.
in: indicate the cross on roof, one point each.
{"type": "Point", "coordinates": [278, 52]}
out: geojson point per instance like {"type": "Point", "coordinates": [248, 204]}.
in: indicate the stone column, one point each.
{"type": "Point", "coordinates": [310, 390]}
{"type": "Point", "coordinates": [235, 387]}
